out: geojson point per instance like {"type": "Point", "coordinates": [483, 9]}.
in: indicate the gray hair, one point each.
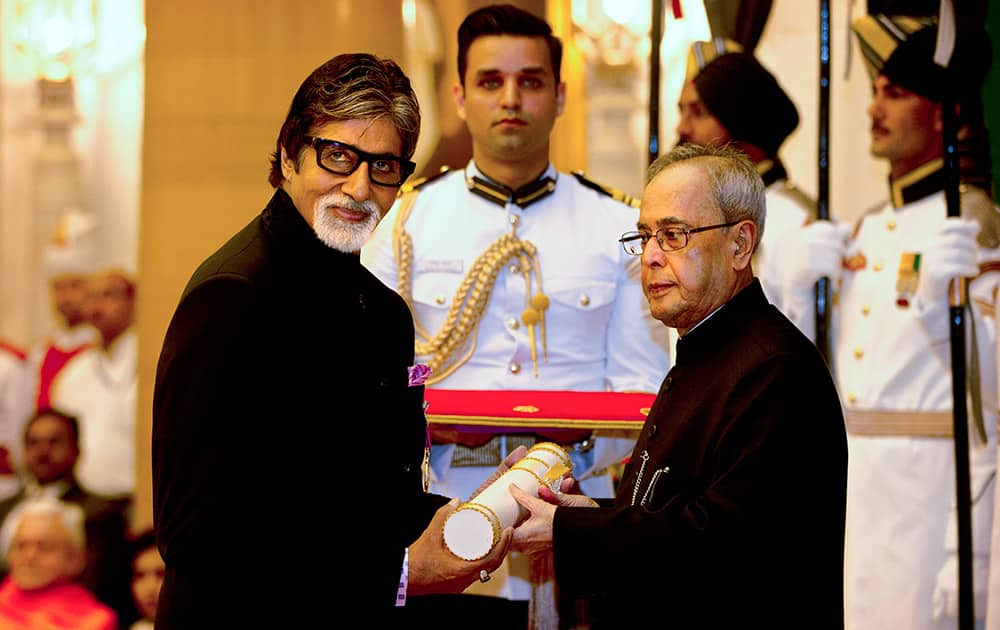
{"type": "Point", "coordinates": [70, 515]}
{"type": "Point", "coordinates": [736, 186]}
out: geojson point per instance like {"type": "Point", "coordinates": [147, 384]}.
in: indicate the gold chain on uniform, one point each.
{"type": "Point", "coordinates": [471, 297]}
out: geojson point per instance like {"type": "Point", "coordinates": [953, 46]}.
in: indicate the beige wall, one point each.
{"type": "Point", "coordinates": [219, 78]}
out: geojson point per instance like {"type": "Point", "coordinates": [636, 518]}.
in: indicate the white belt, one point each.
{"type": "Point", "coordinates": [912, 423]}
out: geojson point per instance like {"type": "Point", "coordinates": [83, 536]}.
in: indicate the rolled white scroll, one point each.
{"type": "Point", "coordinates": [474, 528]}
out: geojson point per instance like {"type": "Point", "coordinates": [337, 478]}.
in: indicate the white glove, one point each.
{"type": "Point", "coordinates": [945, 598]}
{"type": "Point", "coordinates": [951, 254]}
{"type": "Point", "coordinates": [816, 251]}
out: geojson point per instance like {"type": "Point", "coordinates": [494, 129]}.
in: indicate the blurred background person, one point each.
{"type": "Point", "coordinates": [729, 97]}
{"type": "Point", "coordinates": [45, 548]}
{"type": "Point", "coordinates": [15, 407]}
{"type": "Point", "coordinates": [51, 450]}
{"type": "Point", "coordinates": [99, 387]}
{"type": "Point", "coordinates": [68, 261]}
{"type": "Point", "coordinates": [147, 578]}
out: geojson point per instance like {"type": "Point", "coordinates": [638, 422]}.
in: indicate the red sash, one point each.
{"type": "Point", "coordinates": [55, 360]}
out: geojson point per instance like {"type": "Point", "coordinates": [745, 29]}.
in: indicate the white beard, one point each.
{"type": "Point", "coordinates": [341, 235]}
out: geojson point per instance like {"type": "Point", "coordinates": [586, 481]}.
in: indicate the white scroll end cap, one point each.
{"type": "Point", "coordinates": [469, 534]}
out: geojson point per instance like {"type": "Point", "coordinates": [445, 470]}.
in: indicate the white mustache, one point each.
{"type": "Point", "coordinates": [344, 201]}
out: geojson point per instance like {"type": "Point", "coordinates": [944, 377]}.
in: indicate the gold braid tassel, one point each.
{"type": "Point", "coordinates": [467, 306]}
{"type": "Point", "coordinates": [470, 299]}
{"type": "Point", "coordinates": [535, 305]}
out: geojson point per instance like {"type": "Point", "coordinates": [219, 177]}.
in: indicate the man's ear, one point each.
{"type": "Point", "coordinates": [458, 94]}
{"type": "Point", "coordinates": [743, 244]}
{"type": "Point", "coordinates": [287, 166]}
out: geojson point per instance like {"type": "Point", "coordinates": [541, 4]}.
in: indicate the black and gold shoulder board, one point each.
{"type": "Point", "coordinates": [800, 197]}
{"type": "Point", "coordinates": [614, 193]}
{"type": "Point", "coordinates": [420, 182]}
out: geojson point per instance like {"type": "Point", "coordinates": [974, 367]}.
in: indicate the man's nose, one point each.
{"type": "Point", "coordinates": [511, 95]}
{"type": "Point", "coordinates": [652, 254]}
{"type": "Point", "coordinates": [358, 184]}
{"type": "Point", "coordinates": [683, 128]}
{"type": "Point", "coordinates": [875, 108]}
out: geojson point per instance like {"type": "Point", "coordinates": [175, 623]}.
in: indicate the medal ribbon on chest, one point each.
{"type": "Point", "coordinates": [908, 278]}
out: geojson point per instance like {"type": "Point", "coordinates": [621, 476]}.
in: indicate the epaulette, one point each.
{"type": "Point", "coordinates": [420, 182]}
{"type": "Point", "coordinates": [800, 197]}
{"type": "Point", "coordinates": [976, 204]}
{"type": "Point", "coordinates": [614, 193]}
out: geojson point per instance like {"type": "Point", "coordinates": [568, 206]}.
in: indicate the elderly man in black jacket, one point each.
{"type": "Point", "coordinates": [288, 429]}
{"type": "Point", "coordinates": [731, 510]}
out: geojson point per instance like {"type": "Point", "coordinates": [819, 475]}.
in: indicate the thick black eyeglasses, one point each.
{"type": "Point", "coordinates": [341, 158]}
{"type": "Point", "coordinates": [668, 238]}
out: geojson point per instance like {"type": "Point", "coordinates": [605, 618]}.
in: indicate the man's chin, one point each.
{"type": "Point", "coordinates": [343, 235]}
{"type": "Point", "coordinates": [344, 243]}
{"type": "Point", "coordinates": [660, 312]}
{"type": "Point", "coordinates": [877, 149]}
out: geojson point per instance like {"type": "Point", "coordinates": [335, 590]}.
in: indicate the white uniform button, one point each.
{"type": "Point", "coordinates": [584, 300]}
{"type": "Point", "coordinates": [515, 367]}
{"type": "Point", "coordinates": [891, 225]}
{"type": "Point", "coordinates": [513, 324]}
{"type": "Point", "coordinates": [439, 300]}
{"type": "Point", "coordinates": [858, 353]}
{"type": "Point", "coordinates": [514, 219]}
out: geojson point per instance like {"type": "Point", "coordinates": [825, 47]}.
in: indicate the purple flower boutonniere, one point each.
{"type": "Point", "coordinates": [418, 374]}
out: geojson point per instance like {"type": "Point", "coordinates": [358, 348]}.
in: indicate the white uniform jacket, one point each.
{"type": "Point", "coordinates": [15, 407]}
{"type": "Point", "coordinates": [100, 389]}
{"type": "Point", "coordinates": [892, 354]}
{"type": "Point", "coordinates": [786, 213]}
{"type": "Point", "coordinates": [599, 333]}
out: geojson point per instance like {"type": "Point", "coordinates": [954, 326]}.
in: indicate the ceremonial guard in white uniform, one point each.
{"type": "Point", "coordinates": [68, 259]}
{"type": "Point", "coordinates": [473, 265]}
{"type": "Point", "coordinates": [513, 270]}
{"type": "Point", "coordinates": [890, 347]}
{"type": "Point", "coordinates": [729, 97]}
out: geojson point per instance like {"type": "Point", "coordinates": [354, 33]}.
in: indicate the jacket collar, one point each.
{"type": "Point", "coordinates": [921, 182]}
{"type": "Point", "coordinates": [481, 184]}
{"type": "Point", "coordinates": [717, 328]}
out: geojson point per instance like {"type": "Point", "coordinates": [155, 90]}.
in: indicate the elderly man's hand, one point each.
{"type": "Point", "coordinates": [568, 496]}
{"type": "Point", "coordinates": [534, 535]}
{"type": "Point", "coordinates": [434, 569]}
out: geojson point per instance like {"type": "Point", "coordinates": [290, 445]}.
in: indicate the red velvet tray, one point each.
{"type": "Point", "coordinates": [531, 409]}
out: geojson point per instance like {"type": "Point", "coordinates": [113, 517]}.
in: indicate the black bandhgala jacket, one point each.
{"type": "Point", "coordinates": [287, 443]}
{"type": "Point", "coordinates": [731, 510]}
